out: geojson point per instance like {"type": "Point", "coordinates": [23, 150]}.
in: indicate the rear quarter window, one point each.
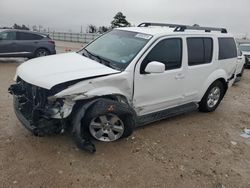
{"type": "Point", "coordinates": [227, 48]}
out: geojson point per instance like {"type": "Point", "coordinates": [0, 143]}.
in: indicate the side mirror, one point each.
{"type": "Point", "coordinates": [155, 67]}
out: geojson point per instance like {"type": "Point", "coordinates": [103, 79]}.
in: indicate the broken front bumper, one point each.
{"type": "Point", "coordinates": [35, 122]}
{"type": "Point", "coordinates": [28, 124]}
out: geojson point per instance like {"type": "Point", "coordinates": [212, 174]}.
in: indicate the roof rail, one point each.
{"type": "Point", "coordinates": [180, 28]}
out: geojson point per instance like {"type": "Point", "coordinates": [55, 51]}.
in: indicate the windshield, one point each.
{"type": "Point", "coordinates": [245, 48]}
{"type": "Point", "coordinates": [118, 47]}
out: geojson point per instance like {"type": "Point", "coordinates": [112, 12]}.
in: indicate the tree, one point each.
{"type": "Point", "coordinates": [196, 25]}
{"type": "Point", "coordinates": [103, 29]}
{"type": "Point", "coordinates": [34, 28]}
{"type": "Point", "coordinates": [15, 26]}
{"type": "Point", "coordinates": [120, 21]}
{"type": "Point", "coordinates": [23, 27]}
{"type": "Point", "coordinates": [40, 27]}
{"type": "Point", "coordinates": [91, 29]}
{"type": "Point", "coordinates": [5, 27]}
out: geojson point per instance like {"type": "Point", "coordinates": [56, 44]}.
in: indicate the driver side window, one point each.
{"type": "Point", "coordinates": [167, 51]}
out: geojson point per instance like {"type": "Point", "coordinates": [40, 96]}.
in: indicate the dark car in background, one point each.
{"type": "Point", "coordinates": [21, 43]}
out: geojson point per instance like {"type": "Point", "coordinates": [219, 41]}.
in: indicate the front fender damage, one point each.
{"type": "Point", "coordinates": [116, 84]}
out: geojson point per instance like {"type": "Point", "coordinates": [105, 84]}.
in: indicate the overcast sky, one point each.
{"type": "Point", "coordinates": [70, 15]}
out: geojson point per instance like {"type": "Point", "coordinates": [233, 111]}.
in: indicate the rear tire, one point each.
{"type": "Point", "coordinates": [212, 97]}
{"type": "Point", "coordinates": [41, 52]}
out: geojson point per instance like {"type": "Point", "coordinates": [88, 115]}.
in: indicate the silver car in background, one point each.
{"type": "Point", "coordinates": [21, 43]}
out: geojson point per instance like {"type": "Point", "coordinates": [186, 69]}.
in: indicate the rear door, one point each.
{"type": "Point", "coordinates": [27, 42]}
{"type": "Point", "coordinates": [7, 43]}
{"type": "Point", "coordinates": [200, 52]}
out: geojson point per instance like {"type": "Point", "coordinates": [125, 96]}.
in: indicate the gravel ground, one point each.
{"type": "Point", "coordinates": [192, 150]}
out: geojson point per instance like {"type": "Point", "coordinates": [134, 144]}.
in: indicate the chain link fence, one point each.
{"type": "Point", "coordinates": [88, 37]}
{"type": "Point", "coordinates": [73, 37]}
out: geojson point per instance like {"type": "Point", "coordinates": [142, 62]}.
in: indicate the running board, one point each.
{"type": "Point", "coordinates": [157, 116]}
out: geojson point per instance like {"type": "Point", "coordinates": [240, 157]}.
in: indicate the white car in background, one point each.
{"type": "Point", "coordinates": [245, 49]}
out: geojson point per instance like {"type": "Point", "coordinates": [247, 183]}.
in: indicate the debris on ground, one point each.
{"type": "Point", "coordinates": [245, 133]}
{"type": "Point", "coordinates": [219, 185]}
{"type": "Point", "coordinates": [233, 143]}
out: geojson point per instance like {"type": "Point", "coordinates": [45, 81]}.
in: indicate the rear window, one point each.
{"type": "Point", "coordinates": [227, 48]}
{"type": "Point", "coordinates": [200, 50]}
{"type": "Point", "coordinates": [29, 36]}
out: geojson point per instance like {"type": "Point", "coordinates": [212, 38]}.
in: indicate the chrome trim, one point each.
{"type": "Point", "coordinates": [15, 53]}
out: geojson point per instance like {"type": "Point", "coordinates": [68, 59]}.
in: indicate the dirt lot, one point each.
{"type": "Point", "coordinates": [193, 150]}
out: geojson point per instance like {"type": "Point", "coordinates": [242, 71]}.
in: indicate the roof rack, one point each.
{"type": "Point", "coordinates": [180, 28]}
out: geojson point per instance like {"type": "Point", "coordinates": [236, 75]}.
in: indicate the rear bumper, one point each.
{"type": "Point", "coordinates": [52, 52]}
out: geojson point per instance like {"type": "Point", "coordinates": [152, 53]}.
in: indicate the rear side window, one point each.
{"type": "Point", "coordinates": [200, 50]}
{"type": "Point", "coordinates": [167, 51]}
{"type": "Point", "coordinates": [28, 36]}
{"type": "Point", "coordinates": [227, 48]}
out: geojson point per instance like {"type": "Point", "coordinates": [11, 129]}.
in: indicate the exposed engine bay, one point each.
{"type": "Point", "coordinates": [32, 102]}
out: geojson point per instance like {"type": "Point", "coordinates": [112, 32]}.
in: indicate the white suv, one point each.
{"type": "Point", "coordinates": [125, 78]}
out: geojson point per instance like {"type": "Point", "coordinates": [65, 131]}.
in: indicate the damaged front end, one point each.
{"type": "Point", "coordinates": [35, 111]}
{"type": "Point", "coordinates": [40, 112]}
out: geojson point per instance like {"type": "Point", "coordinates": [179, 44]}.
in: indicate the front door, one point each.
{"type": "Point", "coordinates": [7, 43]}
{"type": "Point", "coordinates": [158, 91]}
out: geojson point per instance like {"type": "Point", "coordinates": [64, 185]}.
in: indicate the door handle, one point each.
{"type": "Point", "coordinates": [179, 76]}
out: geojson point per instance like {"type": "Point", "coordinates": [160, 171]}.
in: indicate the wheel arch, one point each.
{"type": "Point", "coordinates": [219, 75]}
{"type": "Point", "coordinates": [81, 137]}
{"type": "Point", "coordinates": [41, 47]}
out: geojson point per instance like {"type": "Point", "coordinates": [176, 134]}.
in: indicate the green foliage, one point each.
{"type": "Point", "coordinates": [120, 21]}
{"type": "Point", "coordinates": [91, 29]}
{"type": "Point", "coordinates": [103, 29]}
{"type": "Point", "coordinates": [23, 27]}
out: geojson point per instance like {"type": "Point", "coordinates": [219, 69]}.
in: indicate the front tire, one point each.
{"type": "Point", "coordinates": [108, 121]}
{"type": "Point", "coordinates": [212, 97]}
{"type": "Point", "coordinates": [107, 127]}
{"type": "Point", "coordinates": [102, 115]}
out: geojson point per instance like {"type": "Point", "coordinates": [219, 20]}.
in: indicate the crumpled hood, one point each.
{"type": "Point", "coordinates": [49, 71]}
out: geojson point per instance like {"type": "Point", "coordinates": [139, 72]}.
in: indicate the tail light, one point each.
{"type": "Point", "coordinates": [51, 41]}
